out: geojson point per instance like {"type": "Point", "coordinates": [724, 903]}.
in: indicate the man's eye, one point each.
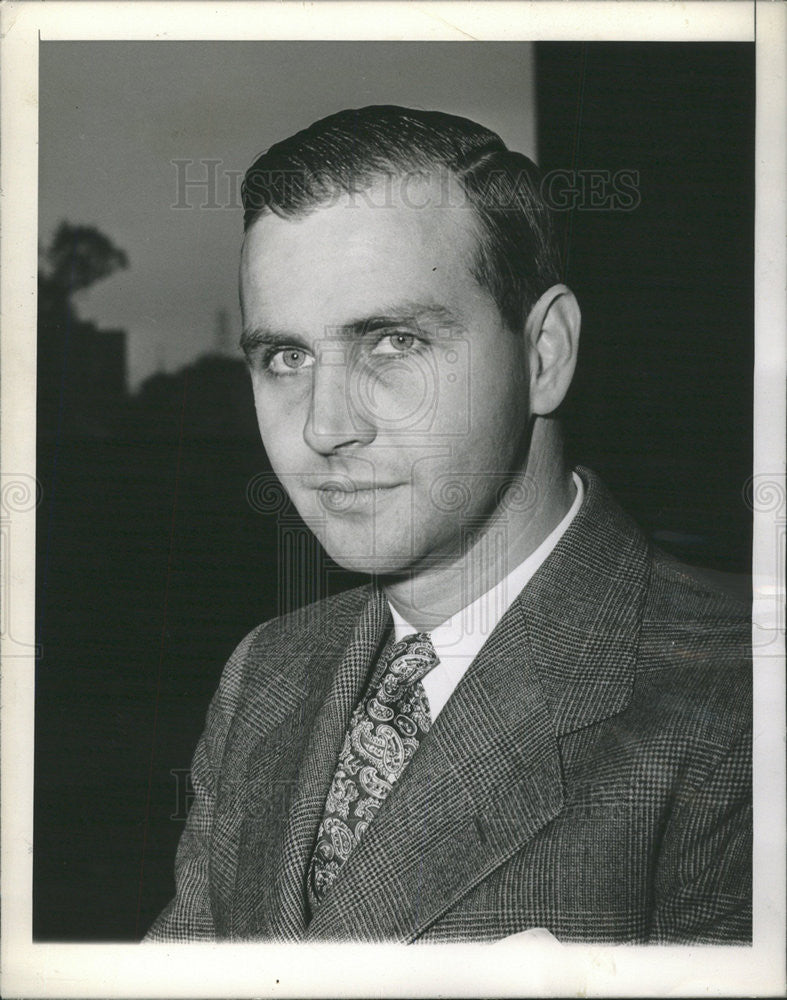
{"type": "Point", "coordinates": [287, 360]}
{"type": "Point", "coordinates": [394, 343]}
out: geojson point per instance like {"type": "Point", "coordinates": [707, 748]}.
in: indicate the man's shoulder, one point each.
{"type": "Point", "coordinates": [295, 632]}
{"type": "Point", "coordinates": [694, 659]}
{"type": "Point", "coordinates": [271, 668]}
{"type": "Point", "coordinates": [689, 628]}
{"type": "Point", "coordinates": [315, 620]}
{"type": "Point", "coordinates": [680, 593]}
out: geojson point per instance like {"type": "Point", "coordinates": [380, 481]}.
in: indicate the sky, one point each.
{"type": "Point", "coordinates": [115, 116]}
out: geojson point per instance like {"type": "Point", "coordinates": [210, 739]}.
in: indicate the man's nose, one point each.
{"type": "Point", "coordinates": [334, 421]}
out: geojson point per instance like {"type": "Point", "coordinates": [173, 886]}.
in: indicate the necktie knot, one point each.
{"type": "Point", "coordinates": [411, 659]}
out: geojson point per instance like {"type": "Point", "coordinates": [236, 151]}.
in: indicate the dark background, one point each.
{"type": "Point", "coordinates": [152, 563]}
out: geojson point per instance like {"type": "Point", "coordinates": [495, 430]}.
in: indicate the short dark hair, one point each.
{"type": "Point", "coordinates": [517, 257]}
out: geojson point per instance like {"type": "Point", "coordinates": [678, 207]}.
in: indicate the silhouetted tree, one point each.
{"type": "Point", "coordinates": [79, 256]}
{"type": "Point", "coordinates": [81, 369]}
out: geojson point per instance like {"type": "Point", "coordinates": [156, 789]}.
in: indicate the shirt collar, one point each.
{"type": "Point", "coordinates": [470, 627]}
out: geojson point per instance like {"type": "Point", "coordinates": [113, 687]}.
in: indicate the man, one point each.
{"type": "Point", "coordinates": [529, 717]}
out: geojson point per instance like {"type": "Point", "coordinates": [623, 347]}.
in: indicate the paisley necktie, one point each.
{"type": "Point", "coordinates": [385, 731]}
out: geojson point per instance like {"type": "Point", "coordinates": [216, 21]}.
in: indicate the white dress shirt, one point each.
{"type": "Point", "coordinates": [458, 640]}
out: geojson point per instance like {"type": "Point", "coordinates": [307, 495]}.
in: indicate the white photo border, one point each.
{"type": "Point", "coordinates": [509, 969]}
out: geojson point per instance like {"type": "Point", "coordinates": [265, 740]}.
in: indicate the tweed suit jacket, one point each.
{"type": "Point", "coordinates": [590, 774]}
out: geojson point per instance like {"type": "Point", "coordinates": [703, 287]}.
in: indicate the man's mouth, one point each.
{"type": "Point", "coordinates": [346, 494]}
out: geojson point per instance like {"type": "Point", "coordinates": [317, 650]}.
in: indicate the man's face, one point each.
{"type": "Point", "coordinates": [391, 399]}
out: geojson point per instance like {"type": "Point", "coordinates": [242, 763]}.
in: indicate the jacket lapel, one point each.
{"type": "Point", "coordinates": [290, 769]}
{"type": "Point", "coordinates": [583, 610]}
{"type": "Point", "coordinates": [488, 776]}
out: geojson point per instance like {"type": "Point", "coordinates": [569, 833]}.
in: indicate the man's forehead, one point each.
{"type": "Point", "coordinates": [361, 250]}
{"type": "Point", "coordinates": [419, 206]}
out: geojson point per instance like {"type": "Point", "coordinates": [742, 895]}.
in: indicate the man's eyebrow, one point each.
{"type": "Point", "coordinates": [403, 312]}
{"type": "Point", "coordinates": [261, 336]}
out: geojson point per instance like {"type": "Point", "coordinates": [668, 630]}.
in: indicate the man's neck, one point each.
{"type": "Point", "coordinates": [535, 503]}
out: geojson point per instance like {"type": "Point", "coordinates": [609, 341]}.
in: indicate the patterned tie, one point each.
{"type": "Point", "coordinates": [385, 731]}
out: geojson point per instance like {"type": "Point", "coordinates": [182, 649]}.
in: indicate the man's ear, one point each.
{"type": "Point", "coordinates": [552, 336]}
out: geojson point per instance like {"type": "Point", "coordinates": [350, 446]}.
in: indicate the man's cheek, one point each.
{"type": "Point", "coordinates": [283, 445]}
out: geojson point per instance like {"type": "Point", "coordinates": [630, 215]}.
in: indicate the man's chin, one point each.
{"type": "Point", "coordinates": [391, 560]}
{"type": "Point", "coordinates": [356, 547]}
{"type": "Point", "coordinates": [388, 565]}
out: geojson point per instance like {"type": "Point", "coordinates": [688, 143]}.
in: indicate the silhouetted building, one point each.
{"type": "Point", "coordinates": [82, 379]}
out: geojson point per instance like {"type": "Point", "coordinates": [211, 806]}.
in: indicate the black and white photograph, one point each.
{"type": "Point", "coordinates": [394, 515]}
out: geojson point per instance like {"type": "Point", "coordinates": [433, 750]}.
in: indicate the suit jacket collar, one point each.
{"type": "Point", "coordinates": [488, 776]}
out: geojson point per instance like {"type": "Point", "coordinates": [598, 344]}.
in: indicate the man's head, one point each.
{"type": "Point", "coordinates": [516, 256]}
{"type": "Point", "coordinates": [403, 324]}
